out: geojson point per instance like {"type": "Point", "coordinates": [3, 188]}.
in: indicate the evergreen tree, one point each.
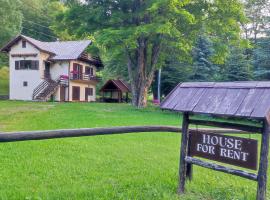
{"type": "Point", "coordinates": [238, 67]}
{"type": "Point", "coordinates": [262, 59]}
{"type": "Point", "coordinates": [203, 68]}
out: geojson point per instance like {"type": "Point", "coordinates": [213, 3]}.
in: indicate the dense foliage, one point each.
{"type": "Point", "coordinates": [190, 40]}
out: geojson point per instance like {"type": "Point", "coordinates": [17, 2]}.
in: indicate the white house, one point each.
{"type": "Point", "coordinates": [61, 70]}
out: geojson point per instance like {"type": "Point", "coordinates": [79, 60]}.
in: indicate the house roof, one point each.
{"type": "Point", "coordinates": [119, 84]}
{"type": "Point", "coordinates": [241, 99]}
{"type": "Point", "coordinates": [59, 50]}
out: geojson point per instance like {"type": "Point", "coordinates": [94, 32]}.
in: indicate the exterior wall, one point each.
{"type": "Point", "coordinates": [57, 94]}
{"type": "Point", "coordinates": [82, 85]}
{"type": "Point", "coordinates": [33, 77]}
{"type": "Point", "coordinates": [84, 65]}
{"type": "Point", "coordinates": [59, 68]}
{"type": "Point", "coordinates": [82, 91]}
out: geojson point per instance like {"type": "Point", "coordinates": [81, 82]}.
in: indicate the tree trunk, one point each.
{"type": "Point", "coordinates": [141, 73]}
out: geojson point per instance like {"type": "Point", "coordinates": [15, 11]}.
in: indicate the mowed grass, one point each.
{"type": "Point", "coordinates": [129, 166]}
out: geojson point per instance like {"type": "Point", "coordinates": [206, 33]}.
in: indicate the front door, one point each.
{"type": "Point", "coordinates": [47, 74]}
{"type": "Point", "coordinates": [75, 93]}
{"type": "Point", "coordinates": [62, 93]}
{"type": "Point", "coordinates": [88, 92]}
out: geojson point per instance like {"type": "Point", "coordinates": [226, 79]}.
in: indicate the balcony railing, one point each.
{"type": "Point", "coordinates": [83, 77]}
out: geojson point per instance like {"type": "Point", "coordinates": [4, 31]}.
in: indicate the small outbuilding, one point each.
{"type": "Point", "coordinates": [115, 91]}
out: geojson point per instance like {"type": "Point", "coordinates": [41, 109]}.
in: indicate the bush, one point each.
{"type": "Point", "coordinates": [4, 80]}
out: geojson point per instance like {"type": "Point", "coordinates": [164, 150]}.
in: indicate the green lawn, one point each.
{"type": "Point", "coordinates": [131, 166]}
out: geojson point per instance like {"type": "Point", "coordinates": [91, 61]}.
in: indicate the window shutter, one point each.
{"type": "Point", "coordinates": [37, 65]}
{"type": "Point", "coordinates": [91, 71]}
{"type": "Point", "coordinates": [17, 65]}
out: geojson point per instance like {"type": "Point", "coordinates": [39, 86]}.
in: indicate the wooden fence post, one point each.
{"type": "Point", "coordinates": [189, 171]}
{"type": "Point", "coordinates": [262, 174]}
{"type": "Point", "coordinates": [183, 154]}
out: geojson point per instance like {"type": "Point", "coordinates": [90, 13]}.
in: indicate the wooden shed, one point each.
{"type": "Point", "coordinates": [115, 91]}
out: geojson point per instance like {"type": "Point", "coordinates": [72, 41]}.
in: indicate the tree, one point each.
{"type": "Point", "coordinates": [257, 12]}
{"type": "Point", "coordinates": [203, 68]}
{"type": "Point", "coordinates": [238, 67]}
{"type": "Point", "coordinates": [142, 33]}
{"type": "Point", "coordinates": [10, 23]}
{"type": "Point", "coordinates": [37, 19]}
{"type": "Point", "coordinates": [262, 59]}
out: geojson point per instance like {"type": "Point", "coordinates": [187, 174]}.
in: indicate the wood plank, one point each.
{"type": "Point", "coordinates": [262, 174]}
{"type": "Point", "coordinates": [263, 84]}
{"type": "Point", "coordinates": [231, 94]}
{"type": "Point", "coordinates": [183, 154]}
{"type": "Point", "coordinates": [250, 102]}
{"type": "Point", "coordinates": [196, 98]}
{"type": "Point", "coordinates": [198, 84]}
{"type": "Point", "coordinates": [262, 108]}
{"type": "Point", "coordinates": [220, 168]}
{"type": "Point", "coordinates": [170, 99]}
{"type": "Point", "coordinates": [164, 103]}
{"type": "Point", "coordinates": [63, 133]}
{"type": "Point", "coordinates": [178, 93]}
{"type": "Point", "coordinates": [237, 101]}
{"type": "Point", "coordinates": [242, 127]}
{"type": "Point", "coordinates": [204, 101]}
{"type": "Point", "coordinates": [215, 99]}
{"type": "Point", "coordinates": [237, 84]}
{"type": "Point", "coordinates": [184, 97]}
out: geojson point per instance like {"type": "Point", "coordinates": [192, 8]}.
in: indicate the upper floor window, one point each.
{"type": "Point", "coordinates": [89, 71]}
{"type": "Point", "coordinates": [27, 64]}
{"type": "Point", "coordinates": [23, 44]}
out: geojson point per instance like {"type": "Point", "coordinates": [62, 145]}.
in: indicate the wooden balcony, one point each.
{"type": "Point", "coordinates": [82, 77]}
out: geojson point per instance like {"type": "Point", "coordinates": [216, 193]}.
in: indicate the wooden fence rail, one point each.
{"type": "Point", "coordinates": [50, 134]}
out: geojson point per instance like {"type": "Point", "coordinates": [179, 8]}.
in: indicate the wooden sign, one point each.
{"type": "Point", "coordinates": [236, 151]}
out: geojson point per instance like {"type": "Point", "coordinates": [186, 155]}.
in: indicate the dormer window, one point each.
{"type": "Point", "coordinates": [23, 44]}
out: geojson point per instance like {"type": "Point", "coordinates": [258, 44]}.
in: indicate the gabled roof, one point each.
{"type": "Point", "coordinates": [59, 50]}
{"type": "Point", "coordinates": [119, 85]}
{"type": "Point", "coordinates": [241, 99]}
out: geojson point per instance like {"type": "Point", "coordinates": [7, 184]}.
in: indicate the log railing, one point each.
{"type": "Point", "coordinates": [63, 133]}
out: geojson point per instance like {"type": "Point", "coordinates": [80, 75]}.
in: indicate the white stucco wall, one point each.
{"type": "Point", "coordinates": [59, 68]}
{"type": "Point", "coordinates": [33, 77]}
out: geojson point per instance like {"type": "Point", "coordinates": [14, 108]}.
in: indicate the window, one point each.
{"type": "Point", "coordinates": [25, 84]}
{"type": "Point", "coordinates": [27, 64]}
{"type": "Point", "coordinates": [89, 71]}
{"type": "Point", "coordinates": [23, 44]}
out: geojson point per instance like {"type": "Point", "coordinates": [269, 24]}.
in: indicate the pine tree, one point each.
{"type": "Point", "coordinates": [262, 59]}
{"type": "Point", "coordinates": [203, 68]}
{"type": "Point", "coordinates": [238, 66]}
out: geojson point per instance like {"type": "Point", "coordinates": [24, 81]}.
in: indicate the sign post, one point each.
{"type": "Point", "coordinates": [237, 151]}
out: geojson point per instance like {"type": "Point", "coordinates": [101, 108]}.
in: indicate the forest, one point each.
{"type": "Point", "coordinates": [186, 40]}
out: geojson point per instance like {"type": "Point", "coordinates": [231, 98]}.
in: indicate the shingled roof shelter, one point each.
{"type": "Point", "coordinates": [114, 90]}
{"type": "Point", "coordinates": [238, 99]}
{"type": "Point", "coordinates": [244, 100]}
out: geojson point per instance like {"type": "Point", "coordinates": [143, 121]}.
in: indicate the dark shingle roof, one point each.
{"type": "Point", "coordinates": [120, 84]}
{"type": "Point", "coordinates": [242, 99]}
{"type": "Point", "coordinates": [59, 50]}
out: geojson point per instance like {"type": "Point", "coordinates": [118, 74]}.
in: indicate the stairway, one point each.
{"type": "Point", "coordinates": [44, 90]}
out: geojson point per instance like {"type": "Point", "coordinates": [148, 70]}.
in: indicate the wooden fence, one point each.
{"type": "Point", "coordinates": [51, 134]}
